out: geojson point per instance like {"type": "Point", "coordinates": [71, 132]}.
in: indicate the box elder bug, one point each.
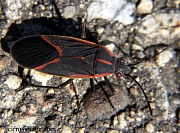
{"type": "Point", "coordinates": [69, 57]}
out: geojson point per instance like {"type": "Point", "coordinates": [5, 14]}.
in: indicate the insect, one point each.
{"type": "Point", "coordinates": [68, 57]}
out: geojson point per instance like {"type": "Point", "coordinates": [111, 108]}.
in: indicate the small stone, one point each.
{"type": "Point", "coordinates": [177, 3]}
{"type": "Point", "coordinates": [113, 131]}
{"type": "Point", "coordinates": [11, 101]}
{"type": "Point", "coordinates": [152, 105]}
{"type": "Point", "coordinates": [7, 114]}
{"type": "Point", "coordinates": [132, 113]}
{"type": "Point", "coordinates": [23, 108]}
{"type": "Point", "coordinates": [98, 107]}
{"type": "Point", "coordinates": [74, 103]}
{"type": "Point", "coordinates": [137, 47]}
{"type": "Point", "coordinates": [100, 30]}
{"type": "Point", "coordinates": [41, 77]}
{"type": "Point", "coordinates": [81, 6]}
{"type": "Point", "coordinates": [145, 7]}
{"type": "Point", "coordinates": [130, 119]}
{"type": "Point", "coordinates": [116, 10]}
{"type": "Point", "coordinates": [3, 62]}
{"type": "Point", "coordinates": [13, 81]}
{"type": "Point", "coordinates": [164, 58]}
{"type": "Point", "coordinates": [122, 121]}
{"type": "Point", "coordinates": [69, 12]}
{"type": "Point", "coordinates": [115, 121]}
{"type": "Point", "coordinates": [71, 122]}
{"type": "Point", "coordinates": [60, 107]}
{"type": "Point", "coordinates": [47, 107]}
{"type": "Point", "coordinates": [81, 130]}
{"type": "Point", "coordinates": [160, 132]}
{"type": "Point", "coordinates": [2, 130]}
{"type": "Point", "coordinates": [151, 93]}
{"type": "Point", "coordinates": [106, 125]}
{"type": "Point", "coordinates": [66, 129]}
{"type": "Point", "coordinates": [149, 128]}
{"type": "Point", "coordinates": [51, 91]}
{"type": "Point", "coordinates": [110, 46]}
{"type": "Point", "coordinates": [172, 115]}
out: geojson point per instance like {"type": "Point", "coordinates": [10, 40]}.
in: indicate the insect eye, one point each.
{"type": "Point", "coordinates": [118, 74]}
{"type": "Point", "coordinates": [122, 60]}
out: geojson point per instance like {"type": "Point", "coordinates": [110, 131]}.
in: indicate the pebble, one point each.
{"type": "Point", "coordinates": [13, 81]}
{"type": "Point", "coordinates": [106, 125]}
{"type": "Point", "coordinates": [16, 8]}
{"type": "Point", "coordinates": [177, 3]}
{"type": "Point", "coordinates": [71, 122]}
{"type": "Point", "coordinates": [110, 47]}
{"type": "Point", "coordinates": [3, 130]}
{"type": "Point", "coordinates": [115, 121]}
{"type": "Point", "coordinates": [122, 121]}
{"type": "Point", "coordinates": [3, 62]}
{"type": "Point", "coordinates": [145, 7]}
{"type": "Point", "coordinates": [51, 91]}
{"type": "Point", "coordinates": [152, 105]}
{"type": "Point", "coordinates": [113, 131]}
{"type": "Point", "coordinates": [47, 107]}
{"type": "Point", "coordinates": [81, 130]}
{"type": "Point", "coordinates": [66, 129]}
{"type": "Point", "coordinates": [149, 128]}
{"type": "Point", "coordinates": [116, 10]}
{"type": "Point", "coordinates": [100, 30]}
{"type": "Point", "coordinates": [69, 12]}
{"type": "Point", "coordinates": [98, 107]}
{"type": "Point", "coordinates": [11, 101]}
{"type": "Point", "coordinates": [158, 28]}
{"type": "Point", "coordinates": [41, 77]}
{"type": "Point", "coordinates": [7, 113]}
{"type": "Point", "coordinates": [164, 58]}
{"type": "Point", "coordinates": [137, 47]}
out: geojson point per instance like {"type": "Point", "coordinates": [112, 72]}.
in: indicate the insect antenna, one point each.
{"type": "Point", "coordinates": [150, 110]}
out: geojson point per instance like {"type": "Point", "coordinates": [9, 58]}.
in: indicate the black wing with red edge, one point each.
{"type": "Point", "coordinates": [57, 55]}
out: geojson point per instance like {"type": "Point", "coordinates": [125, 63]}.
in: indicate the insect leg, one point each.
{"type": "Point", "coordinates": [74, 89]}
{"type": "Point", "coordinates": [65, 83]}
{"type": "Point", "coordinates": [92, 86]}
{"type": "Point", "coordinates": [109, 84]}
{"type": "Point", "coordinates": [105, 93]}
{"type": "Point", "coordinates": [28, 83]}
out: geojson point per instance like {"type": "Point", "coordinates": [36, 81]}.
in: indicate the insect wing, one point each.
{"type": "Point", "coordinates": [56, 55]}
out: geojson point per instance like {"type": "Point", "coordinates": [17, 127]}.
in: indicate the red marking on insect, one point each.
{"type": "Point", "coordinates": [104, 61]}
{"type": "Point", "coordinates": [57, 47]}
{"type": "Point", "coordinates": [40, 67]}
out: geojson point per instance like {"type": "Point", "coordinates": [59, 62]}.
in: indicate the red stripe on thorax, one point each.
{"type": "Point", "coordinates": [104, 61]}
